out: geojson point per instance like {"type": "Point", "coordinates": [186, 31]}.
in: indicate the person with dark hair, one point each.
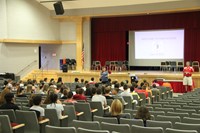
{"type": "Point", "coordinates": [70, 98]}
{"type": "Point", "coordinates": [133, 92]}
{"type": "Point", "coordinates": [99, 97]}
{"type": "Point", "coordinates": [59, 80]}
{"type": "Point", "coordinates": [116, 94]}
{"type": "Point", "coordinates": [109, 82]}
{"type": "Point", "coordinates": [54, 105]}
{"type": "Point", "coordinates": [9, 102]}
{"type": "Point", "coordinates": [122, 86]}
{"type": "Point", "coordinates": [126, 91]}
{"type": "Point", "coordinates": [92, 81]}
{"type": "Point", "coordinates": [143, 113]}
{"type": "Point", "coordinates": [82, 81]}
{"type": "Point", "coordinates": [65, 93]}
{"type": "Point", "coordinates": [80, 95]}
{"type": "Point", "coordinates": [45, 80]}
{"type": "Point", "coordinates": [20, 92]}
{"type": "Point", "coordinates": [37, 99]}
{"type": "Point", "coordinates": [96, 85]}
{"type": "Point", "coordinates": [143, 90]}
{"type": "Point", "coordinates": [107, 93]}
{"type": "Point", "coordinates": [76, 80]}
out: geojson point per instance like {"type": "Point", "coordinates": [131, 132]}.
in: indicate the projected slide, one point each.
{"type": "Point", "coordinates": [160, 44]}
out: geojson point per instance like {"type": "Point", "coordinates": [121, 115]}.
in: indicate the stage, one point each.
{"type": "Point", "coordinates": [125, 75]}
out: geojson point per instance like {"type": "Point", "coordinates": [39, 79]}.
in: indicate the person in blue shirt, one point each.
{"type": "Point", "coordinates": [104, 76]}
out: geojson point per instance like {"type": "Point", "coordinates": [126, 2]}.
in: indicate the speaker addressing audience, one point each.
{"type": "Point", "coordinates": [104, 76]}
{"type": "Point", "coordinates": [187, 76]}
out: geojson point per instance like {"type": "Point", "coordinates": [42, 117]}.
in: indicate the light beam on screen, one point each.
{"type": "Point", "coordinates": [159, 44]}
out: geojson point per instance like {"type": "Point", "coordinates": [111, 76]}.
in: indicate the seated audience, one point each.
{"type": "Point", "coordinates": [20, 93]}
{"type": "Point", "coordinates": [76, 80]}
{"type": "Point", "coordinates": [116, 95]}
{"type": "Point", "coordinates": [45, 80]}
{"type": "Point", "coordinates": [143, 113]}
{"type": "Point", "coordinates": [92, 81]}
{"type": "Point", "coordinates": [64, 95]}
{"type": "Point", "coordinates": [116, 110]}
{"type": "Point", "coordinates": [148, 89]}
{"type": "Point", "coordinates": [126, 91]}
{"type": "Point", "coordinates": [54, 105]}
{"type": "Point", "coordinates": [80, 95]}
{"type": "Point", "coordinates": [70, 98]}
{"type": "Point", "coordinates": [155, 82]}
{"type": "Point", "coordinates": [37, 99]}
{"type": "Point", "coordinates": [167, 84]}
{"type": "Point", "coordinates": [9, 102]}
{"type": "Point", "coordinates": [82, 81]}
{"type": "Point", "coordinates": [122, 86]}
{"type": "Point", "coordinates": [143, 90]}
{"type": "Point", "coordinates": [107, 93]}
{"type": "Point", "coordinates": [133, 92]}
{"type": "Point", "coordinates": [59, 80]}
{"type": "Point", "coordinates": [3, 93]}
{"type": "Point", "coordinates": [99, 97]}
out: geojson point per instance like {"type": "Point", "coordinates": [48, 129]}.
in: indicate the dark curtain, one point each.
{"type": "Point", "coordinates": [109, 34]}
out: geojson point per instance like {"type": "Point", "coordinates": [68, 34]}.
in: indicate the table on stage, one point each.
{"type": "Point", "coordinates": [177, 85]}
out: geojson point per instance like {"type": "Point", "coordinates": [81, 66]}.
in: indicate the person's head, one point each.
{"type": "Point", "coordinates": [59, 80]}
{"type": "Point", "coordinates": [52, 80]}
{"type": "Point", "coordinates": [144, 87]}
{"type": "Point", "coordinates": [5, 83]}
{"type": "Point", "coordinates": [93, 90]}
{"type": "Point", "coordinates": [76, 80]}
{"type": "Point", "coordinates": [37, 99]}
{"type": "Point", "coordinates": [115, 91]}
{"type": "Point", "coordinates": [134, 84]}
{"type": "Point", "coordinates": [45, 87]}
{"type": "Point", "coordinates": [45, 79]}
{"type": "Point", "coordinates": [92, 79]}
{"type": "Point", "coordinates": [141, 84]}
{"type": "Point", "coordinates": [143, 113]}
{"type": "Point", "coordinates": [9, 97]}
{"type": "Point", "coordinates": [107, 90]}
{"type": "Point", "coordinates": [155, 81]}
{"type": "Point", "coordinates": [125, 87]}
{"type": "Point", "coordinates": [81, 91]}
{"type": "Point", "coordinates": [103, 69]}
{"type": "Point", "coordinates": [122, 83]}
{"type": "Point", "coordinates": [146, 84]}
{"type": "Point", "coordinates": [86, 82]}
{"type": "Point", "coordinates": [132, 88]}
{"type": "Point", "coordinates": [82, 80]}
{"type": "Point", "coordinates": [29, 88]}
{"type": "Point", "coordinates": [116, 107]}
{"type": "Point", "coordinates": [70, 95]}
{"type": "Point", "coordinates": [99, 91]}
{"type": "Point", "coordinates": [53, 98]}
{"type": "Point", "coordinates": [20, 90]}
{"type": "Point", "coordinates": [117, 85]}
{"type": "Point", "coordinates": [109, 80]}
{"type": "Point", "coordinates": [187, 63]}
{"type": "Point", "coordinates": [96, 85]}
{"type": "Point", "coordinates": [65, 92]}
{"type": "Point", "coordinates": [154, 85]}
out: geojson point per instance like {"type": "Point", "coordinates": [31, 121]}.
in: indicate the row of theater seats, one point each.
{"type": "Point", "coordinates": [167, 115]}
{"type": "Point", "coordinates": [111, 65]}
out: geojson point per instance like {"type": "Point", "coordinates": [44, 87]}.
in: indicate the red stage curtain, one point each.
{"type": "Point", "coordinates": [109, 34]}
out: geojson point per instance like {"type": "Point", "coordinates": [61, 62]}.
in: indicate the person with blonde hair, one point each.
{"type": "Point", "coordinates": [116, 110]}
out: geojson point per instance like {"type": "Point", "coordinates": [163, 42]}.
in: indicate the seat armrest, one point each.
{"type": "Point", "coordinates": [18, 126]}
{"type": "Point", "coordinates": [64, 117]}
{"type": "Point", "coordinates": [43, 121]}
{"type": "Point", "coordinates": [79, 113]}
{"type": "Point", "coordinates": [140, 100]}
{"type": "Point", "coordinates": [153, 96]}
{"type": "Point", "coordinates": [106, 108]}
{"type": "Point", "coordinates": [94, 110]}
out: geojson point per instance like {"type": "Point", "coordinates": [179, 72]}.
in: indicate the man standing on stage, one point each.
{"type": "Point", "coordinates": [187, 79]}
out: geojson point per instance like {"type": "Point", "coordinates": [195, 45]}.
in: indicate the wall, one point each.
{"type": "Point", "coordinates": [17, 57]}
{"type": "Point", "coordinates": [3, 18]}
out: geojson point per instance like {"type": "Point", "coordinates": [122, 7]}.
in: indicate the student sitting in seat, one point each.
{"type": "Point", "coordinates": [70, 98]}
{"type": "Point", "coordinates": [143, 113]}
{"type": "Point", "coordinates": [9, 98]}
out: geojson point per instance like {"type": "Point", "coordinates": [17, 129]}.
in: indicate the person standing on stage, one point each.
{"type": "Point", "coordinates": [104, 76]}
{"type": "Point", "coordinates": [187, 77]}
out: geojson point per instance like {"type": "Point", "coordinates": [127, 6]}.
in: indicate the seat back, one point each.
{"type": "Point", "coordinates": [187, 126]}
{"type": "Point", "coordinates": [53, 129]}
{"type": "Point", "coordinates": [97, 105]}
{"type": "Point", "coordinates": [131, 122]}
{"type": "Point", "coordinates": [156, 113]}
{"type": "Point", "coordinates": [164, 109]}
{"type": "Point", "coordinates": [82, 130]}
{"type": "Point", "coordinates": [70, 111]}
{"type": "Point", "coordinates": [5, 124]}
{"type": "Point", "coordinates": [93, 125]}
{"type": "Point", "coordinates": [106, 119]}
{"type": "Point", "coordinates": [189, 111]}
{"type": "Point", "coordinates": [191, 120]}
{"type": "Point", "coordinates": [10, 113]}
{"type": "Point", "coordinates": [128, 100]}
{"type": "Point", "coordinates": [173, 119]}
{"type": "Point", "coordinates": [170, 130]}
{"type": "Point", "coordinates": [30, 120]}
{"type": "Point", "coordinates": [51, 114]}
{"type": "Point", "coordinates": [141, 129]}
{"type": "Point", "coordinates": [84, 107]}
{"type": "Point", "coordinates": [121, 128]}
{"type": "Point", "coordinates": [181, 115]}
{"type": "Point", "coordinates": [163, 124]}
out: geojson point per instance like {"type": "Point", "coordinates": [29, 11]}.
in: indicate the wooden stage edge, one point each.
{"type": "Point", "coordinates": [125, 75]}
